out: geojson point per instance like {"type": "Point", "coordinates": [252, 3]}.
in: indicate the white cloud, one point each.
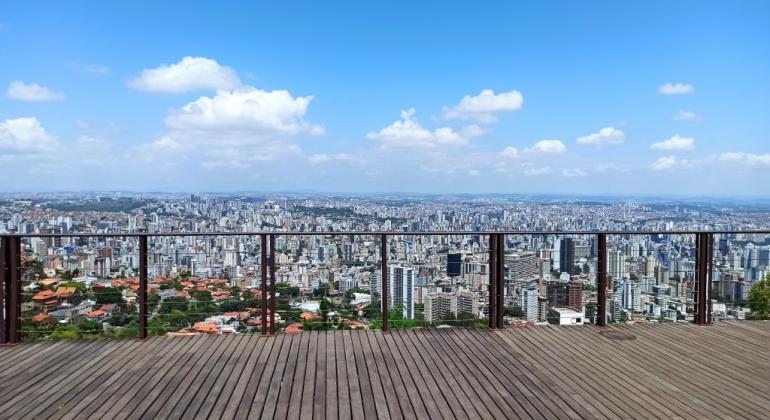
{"type": "Point", "coordinates": [407, 132]}
{"type": "Point", "coordinates": [609, 167]}
{"type": "Point", "coordinates": [190, 74]}
{"type": "Point", "coordinates": [235, 129]}
{"type": "Point", "coordinates": [324, 158]}
{"type": "Point", "coordinates": [510, 152]}
{"type": "Point", "coordinates": [25, 135]}
{"type": "Point", "coordinates": [573, 172]}
{"type": "Point", "coordinates": [605, 136]}
{"type": "Point", "coordinates": [671, 162]}
{"type": "Point", "coordinates": [32, 92]}
{"type": "Point", "coordinates": [483, 106]}
{"type": "Point", "coordinates": [473, 172]}
{"type": "Point", "coordinates": [749, 159]}
{"type": "Point", "coordinates": [675, 89]}
{"type": "Point", "coordinates": [686, 116]}
{"type": "Point", "coordinates": [675, 143]}
{"type": "Point", "coordinates": [245, 111]}
{"type": "Point", "coordinates": [547, 147]}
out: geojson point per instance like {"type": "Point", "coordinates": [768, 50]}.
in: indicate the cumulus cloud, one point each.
{"type": "Point", "coordinates": [236, 128]}
{"type": "Point", "coordinates": [547, 147]}
{"type": "Point", "coordinates": [605, 136]}
{"type": "Point", "coordinates": [572, 172]}
{"type": "Point", "coordinates": [32, 92]}
{"type": "Point", "coordinates": [748, 159]}
{"type": "Point", "coordinates": [243, 112]}
{"type": "Point", "coordinates": [670, 162]}
{"type": "Point", "coordinates": [510, 152]}
{"type": "Point", "coordinates": [686, 116]}
{"type": "Point", "coordinates": [190, 74]}
{"type": "Point", "coordinates": [25, 136]}
{"type": "Point", "coordinates": [675, 89]}
{"type": "Point", "coordinates": [407, 132]}
{"type": "Point", "coordinates": [675, 143]}
{"type": "Point", "coordinates": [484, 106]}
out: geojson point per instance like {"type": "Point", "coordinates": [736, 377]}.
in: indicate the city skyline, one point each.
{"type": "Point", "coordinates": [568, 101]}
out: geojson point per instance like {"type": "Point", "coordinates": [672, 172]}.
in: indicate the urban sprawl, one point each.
{"type": "Point", "coordinates": [210, 284]}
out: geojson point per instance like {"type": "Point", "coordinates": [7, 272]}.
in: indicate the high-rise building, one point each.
{"type": "Point", "coordinates": [616, 262]}
{"type": "Point", "coordinates": [530, 303]}
{"type": "Point", "coordinates": [567, 256]}
{"type": "Point", "coordinates": [565, 295]}
{"type": "Point", "coordinates": [401, 290]}
{"type": "Point", "coordinates": [437, 306]}
{"type": "Point", "coordinates": [454, 264]}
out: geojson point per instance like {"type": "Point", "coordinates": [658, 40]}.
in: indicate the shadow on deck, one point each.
{"type": "Point", "coordinates": [639, 371]}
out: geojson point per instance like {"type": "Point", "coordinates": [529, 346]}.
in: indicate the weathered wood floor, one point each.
{"type": "Point", "coordinates": [640, 371]}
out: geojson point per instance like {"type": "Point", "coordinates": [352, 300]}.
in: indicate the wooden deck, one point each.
{"type": "Point", "coordinates": [640, 371]}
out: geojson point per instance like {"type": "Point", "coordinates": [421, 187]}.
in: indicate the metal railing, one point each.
{"type": "Point", "coordinates": [11, 267]}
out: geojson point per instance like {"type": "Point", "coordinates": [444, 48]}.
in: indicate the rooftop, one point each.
{"type": "Point", "coordinates": [622, 371]}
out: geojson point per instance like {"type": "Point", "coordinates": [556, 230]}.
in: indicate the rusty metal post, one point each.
{"type": "Point", "coordinates": [384, 281]}
{"type": "Point", "coordinates": [702, 245]}
{"type": "Point", "coordinates": [500, 281]}
{"type": "Point", "coordinates": [493, 281]}
{"type": "Point", "coordinates": [601, 280]}
{"type": "Point", "coordinates": [10, 266]}
{"type": "Point", "coordinates": [4, 291]}
{"type": "Point", "coordinates": [271, 261]}
{"type": "Point", "coordinates": [263, 288]}
{"type": "Point", "coordinates": [143, 287]}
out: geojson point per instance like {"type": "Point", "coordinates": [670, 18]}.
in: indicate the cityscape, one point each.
{"type": "Point", "coordinates": [210, 284]}
{"type": "Point", "coordinates": [391, 210]}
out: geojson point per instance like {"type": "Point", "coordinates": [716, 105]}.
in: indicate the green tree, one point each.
{"type": "Point", "coordinates": [91, 327]}
{"type": "Point", "coordinates": [515, 312]}
{"type": "Point", "coordinates": [173, 303]}
{"type": "Point", "coordinates": [108, 295]}
{"type": "Point", "coordinates": [759, 299]}
{"type": "Point", "coordinates": [65, 333]}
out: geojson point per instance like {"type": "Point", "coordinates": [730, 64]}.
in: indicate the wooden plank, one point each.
{"type": "Point", "coordinates": [417, 389]}
{"type": "Point", "coordinates": [526, 379]}
{"type": "Point", "coordinates": [24, 383]}
{"type": "Point", "coordinates": [247, 385]}
{"type": "Point", "coordinates": [321, 379]}
{"type": "Point", "coordinates": [464, 381]}
{"type": "Point", "coordinates": [373, 376]}
{"type": "Point", "coordinates": [281, 384]}
{"type": "Point", "coordinates": [493, 395]}
{"type": "Point", "coordinates": [188, 404]}
{"type": "Point", "coordinates": [233, 391]}
{"type": "Point", "coordinates": [134, 386]}
{"type": "Point", "coordinates": [361, 375]}
{"type": "Point", "coordinates": [183, 381]}
{"type": "Point", "coordinates": [164, 377]}
{"type": "Point", "coordinates": [59, 381]}
{"type": "Point", "coordinates": [130, 375]}
{"type": "Point", "coordinates": [333, 377]}
{"type": "Point", "coordinates": [354, 388]}
{"type": "Point", "coordinates": [407, 395]}
{"type": "Point", "coordinates": [228, 373]}
{"type": "Point", "coordinates": [308, 385]}
{"type": "Point", "coordinates": [294, 398]}
{"type": "Point", "coordinates": [394, 397]}
{"type": "Point", "coordinates": [447, 387]}
{"type": "Point", "coordinates": [266, 380]}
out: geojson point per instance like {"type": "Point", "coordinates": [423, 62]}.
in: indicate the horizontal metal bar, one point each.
{"type": "Point", "coordinates": [390, 233]}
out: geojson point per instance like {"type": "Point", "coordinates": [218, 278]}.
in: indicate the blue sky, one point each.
{"type": "Point", "coordinates": [668, 97]}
